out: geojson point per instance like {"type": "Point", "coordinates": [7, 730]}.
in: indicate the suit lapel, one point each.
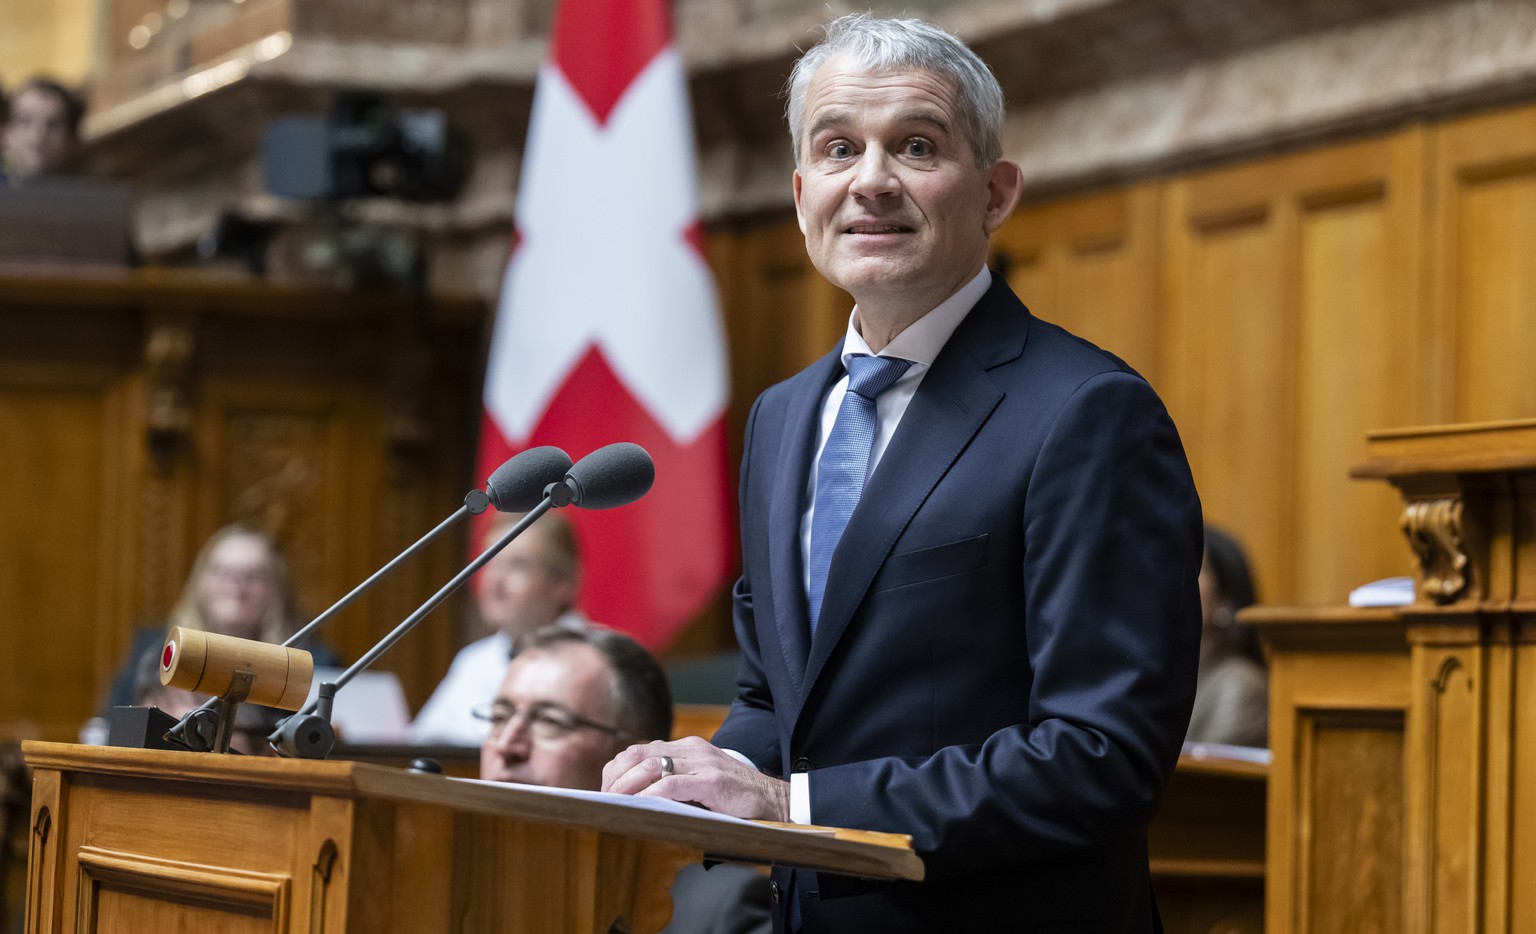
{"type": "Point", "coordinates": [953, 401]}
{"type": "Point", "coordinates": [787, 567]}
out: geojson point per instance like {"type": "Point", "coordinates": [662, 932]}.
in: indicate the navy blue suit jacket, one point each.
{"type": "Point", "coordinates": [1005, 659]}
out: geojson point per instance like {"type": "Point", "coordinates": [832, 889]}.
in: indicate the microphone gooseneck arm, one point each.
{"type": "Point", "coordinates": [398, 633]}
{"type": "Point", "coordinates": [610, 476]}
{"type": "Point", "coordinates": [475, 503]}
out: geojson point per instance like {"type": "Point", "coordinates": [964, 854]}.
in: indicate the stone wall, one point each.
{"type": "Point", "coordinates": [1099, 90]}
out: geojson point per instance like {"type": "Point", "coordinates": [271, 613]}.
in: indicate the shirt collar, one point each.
{"type": "Point", "coordinates": [922, 340]}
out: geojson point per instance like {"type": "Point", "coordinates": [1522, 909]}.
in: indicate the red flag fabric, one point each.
{"type": "Point", "coordinates": [608, 327]}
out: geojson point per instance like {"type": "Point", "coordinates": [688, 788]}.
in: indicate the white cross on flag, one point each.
{"type": "Point", "coordinates": [608, 328]}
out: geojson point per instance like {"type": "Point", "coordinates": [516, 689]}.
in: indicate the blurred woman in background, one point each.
{"type": "Point", "coordinates": [1232, 691]}
{"type": "Point", "coordinates": [238, 587]}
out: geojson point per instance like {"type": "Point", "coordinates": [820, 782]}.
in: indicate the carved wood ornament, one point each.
{"type": "Point", "coordinates": [1433, 528]}
{"type": "Point", "coordinates": [168, 356]}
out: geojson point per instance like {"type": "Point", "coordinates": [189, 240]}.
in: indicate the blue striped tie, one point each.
{"type": "Point", "coordinates": [844, 464]}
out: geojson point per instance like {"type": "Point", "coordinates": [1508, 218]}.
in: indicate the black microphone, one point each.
{"type": "Point", "coordinates": [610, 476]}
{"type": "Point", "coordinates": [534, 468]}
{"type": "Point", "coordinates": [519, 484]}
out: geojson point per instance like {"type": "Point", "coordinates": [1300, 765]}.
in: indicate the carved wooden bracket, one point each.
{"type": "Point", "coordinates": [168, 351]}
{"type": "Point", "coordinates": [1433, 528]}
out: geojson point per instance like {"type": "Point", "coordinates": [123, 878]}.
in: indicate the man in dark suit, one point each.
{"type": "Point", "coordinates": [990, 643]}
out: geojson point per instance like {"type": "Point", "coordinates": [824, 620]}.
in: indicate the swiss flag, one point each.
{"type": "Point", "coordinates": [608, 328]}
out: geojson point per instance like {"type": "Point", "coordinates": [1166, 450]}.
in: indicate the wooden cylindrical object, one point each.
{"type": "Point", "coordinates": [207, 662]}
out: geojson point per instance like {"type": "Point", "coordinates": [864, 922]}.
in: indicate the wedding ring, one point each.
{"type": "Point", "coordinates": [667, 767]}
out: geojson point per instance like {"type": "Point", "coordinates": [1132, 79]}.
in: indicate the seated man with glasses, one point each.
{"type": "Point", "coordinates": [570, 701]}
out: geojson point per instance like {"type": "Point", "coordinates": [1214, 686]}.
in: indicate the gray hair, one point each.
{"type": "Point", "coordinates": [889, 45]}
{"type": "Point", "coordinates": [642, 702]}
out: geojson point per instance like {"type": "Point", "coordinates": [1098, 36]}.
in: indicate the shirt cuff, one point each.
{"type": "Point", "coordinates": [800, 798]}
{"type": "Point", "coordinates": [799, 790]}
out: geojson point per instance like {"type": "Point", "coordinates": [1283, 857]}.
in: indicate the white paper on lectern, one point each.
{"type": "Point", "coordinates": [638, 802]}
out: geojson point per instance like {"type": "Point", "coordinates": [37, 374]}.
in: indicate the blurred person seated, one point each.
{"type": "Point", "coordinates": [530, 584]}
{"type": "Point", "coordinates": [252, 723]}
{"type": "Point", "coordinates": [569, 702]}
{"type": "Point", "coordinates": [42, 134]}
{"type": "Point", "coordinates": [1232, 691]}
{"type": "Point", "coordinates": [238, 587]}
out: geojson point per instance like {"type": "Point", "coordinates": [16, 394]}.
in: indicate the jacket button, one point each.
{"type": "Point", "coordinates": [773, 892]}
{"type": "Point", "coordinates": [803, 764]}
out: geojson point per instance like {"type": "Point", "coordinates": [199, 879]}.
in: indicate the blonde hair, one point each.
{"type": "Point", "coordinates": [281, 619]}
{"type": "Point", "coordinates": [556, 530]}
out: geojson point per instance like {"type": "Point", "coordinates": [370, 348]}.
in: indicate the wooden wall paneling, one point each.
{"type": "Point", "coordinates": [1229, 242]}
{"type": "Point", "coordinates": [1089, 264]}
{"type": "Point", "coordinates": [307, 442]}
{"type": "Point", "coordinates": [1293, 309]}
{"type": "Point", "coordinates": [63, 414]}
{"type": "Point", "coordinates": [1361, 323]}
{"type": "Point", "coordinates": [396, 497]}
{"type": "Point", "coordinates": [159, 538]}
{"type": "Point", "coordinates": [416, 451]}
{"type": "Point", "coordinates": [277, 457]}
{"type": "Point", "coordinates": [306, 462]}
{"type": "Point", "coordinates": [1484, 220]}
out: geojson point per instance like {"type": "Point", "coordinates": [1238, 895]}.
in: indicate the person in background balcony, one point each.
{"type": "Point", "coordinates": [42, 134]}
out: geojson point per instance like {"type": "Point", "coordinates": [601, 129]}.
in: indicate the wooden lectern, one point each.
{"type": "Point", "coordinates": [146, 840]}
{"type": "Point", "coordinates": [1402, 795]}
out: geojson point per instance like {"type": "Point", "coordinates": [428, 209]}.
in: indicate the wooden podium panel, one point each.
{"type": "Point", "coordinates": [1403, 788]}
{"type": "Point", "coordinates": [131, 840]}
{"type": "Point", "coordinates": [1339, 689]}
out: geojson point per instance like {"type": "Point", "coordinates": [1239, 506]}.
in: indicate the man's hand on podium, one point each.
{"type": "Point", "coordinates": [693, 771]}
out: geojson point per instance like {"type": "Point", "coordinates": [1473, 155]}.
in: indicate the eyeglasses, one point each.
{"type": "Point", "coordinates": [238, 575]}
{"type": "Point", "coordinates": [546, 722]}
